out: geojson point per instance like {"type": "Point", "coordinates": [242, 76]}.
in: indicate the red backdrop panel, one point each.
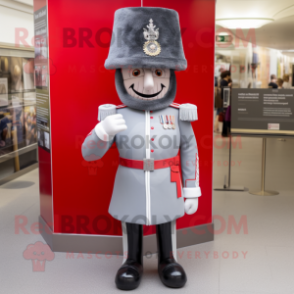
{"type": "Point", "coordinates": [79, 83]}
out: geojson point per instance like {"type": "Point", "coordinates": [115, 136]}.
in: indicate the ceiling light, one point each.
{"type": "Point", "coordinates": [223, 34]}
{"type": "Point", "coordinates": [243, 23]}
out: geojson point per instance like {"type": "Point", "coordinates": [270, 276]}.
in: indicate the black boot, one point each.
{"type": "Point", "coordinates": [170, 272]}
{"type": "Point", "coordinates": [129, 275]}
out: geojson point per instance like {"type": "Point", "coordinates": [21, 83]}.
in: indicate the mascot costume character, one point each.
{"type": "Point", "coordinates": [157, 180]}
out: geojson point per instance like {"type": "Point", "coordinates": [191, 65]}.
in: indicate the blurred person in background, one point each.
{"type": "Point", "coordinates": [227, 123]}
{"type": "Point", "coordinates": [224, 82]}
{"type": "Point", "coordinates": [273, 83]}
{"type": "Point", "coordinates": [218, 103]}
{"type": "Point", "coordinates": [280, 83]}
{"type": "Point", "coordinates": [286, 84]}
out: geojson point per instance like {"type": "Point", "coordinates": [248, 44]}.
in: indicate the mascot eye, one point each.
{"type": "Point", "coordinates": [158, 72]}
{"type": "Point", "coordinates": [136, 72]}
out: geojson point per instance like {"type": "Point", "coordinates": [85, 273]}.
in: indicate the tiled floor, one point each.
{"type": "Point", "coordinates": [260, 261]}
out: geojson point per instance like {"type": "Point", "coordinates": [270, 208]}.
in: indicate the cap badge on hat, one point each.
{"type": "Point", "coordinates": [151, 46]}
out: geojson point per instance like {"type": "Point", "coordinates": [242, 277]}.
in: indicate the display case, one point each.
{"type": "Point", "coordinates": [18, 132]}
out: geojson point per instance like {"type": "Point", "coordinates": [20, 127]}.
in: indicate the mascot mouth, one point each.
{"type": "Point", "coordinates": [145, 95]}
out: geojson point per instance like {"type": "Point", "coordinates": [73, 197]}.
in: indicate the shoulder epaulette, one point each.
{"type": "Point", "coordinates": [105, 110]}
{"type": "Point", "coordinates": [188, 112]}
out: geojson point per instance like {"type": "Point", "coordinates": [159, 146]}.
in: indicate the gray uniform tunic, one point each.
{"type": "Point", "coordinates": [149, 197]}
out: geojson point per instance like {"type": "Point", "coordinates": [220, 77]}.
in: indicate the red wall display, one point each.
{"type": "Point", "coordinates": [75, 194]}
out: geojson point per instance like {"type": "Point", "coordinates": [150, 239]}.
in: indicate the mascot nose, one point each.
{"type": "Point", "coordinates": [148, 80]}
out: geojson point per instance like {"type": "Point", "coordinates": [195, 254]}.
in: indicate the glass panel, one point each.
{"type": "Point", "coordinates": [17, 101]}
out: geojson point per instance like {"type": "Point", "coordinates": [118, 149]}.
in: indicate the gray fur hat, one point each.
{"type": "Point", "coordinates": [146, 37]}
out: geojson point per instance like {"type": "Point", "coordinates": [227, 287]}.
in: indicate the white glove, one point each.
{"type": "Point", "coordinates": [110, 126]}
{"type": "Point", "coordinates": [191, 205]}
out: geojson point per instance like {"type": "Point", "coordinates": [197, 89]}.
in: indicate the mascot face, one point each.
{"type": "Point", "coordinates": [146, 88]}
{"type": "Point", "coordinates": [146, 84]}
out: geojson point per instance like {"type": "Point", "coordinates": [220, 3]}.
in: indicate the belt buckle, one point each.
{"type": "Point", "coordinates": [148, 164]}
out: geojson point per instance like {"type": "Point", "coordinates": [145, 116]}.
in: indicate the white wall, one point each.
{"type": "Point", "coordinates": [14, 15]}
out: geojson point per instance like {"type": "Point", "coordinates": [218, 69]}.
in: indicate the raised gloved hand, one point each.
{"type": "Point", "coordinates": [191, 205]}
{"type": "Point", "coordinates": [110, 126]}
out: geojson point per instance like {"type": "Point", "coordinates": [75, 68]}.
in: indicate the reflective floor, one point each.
{"type": "Point", "coordinates": [259, 260]}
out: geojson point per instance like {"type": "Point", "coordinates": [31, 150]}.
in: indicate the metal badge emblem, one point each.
{"type": "Point", "coordinates": [151, 46]}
